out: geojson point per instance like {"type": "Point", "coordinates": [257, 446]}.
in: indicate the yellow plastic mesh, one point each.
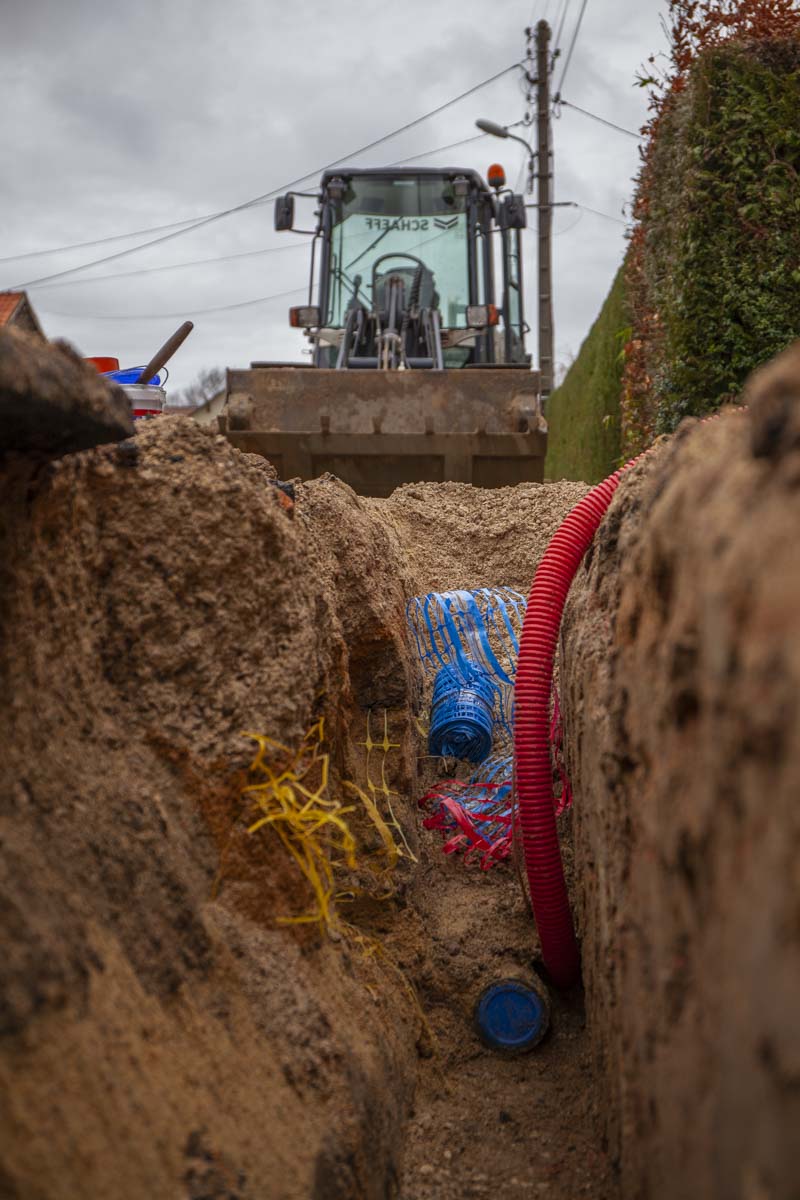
{"type": "Point", "coordinates": [292, 799]}
{"type": "Point", "coordinates": [291, 795]}
{"type": "Point", "coordinates": [382, 788]}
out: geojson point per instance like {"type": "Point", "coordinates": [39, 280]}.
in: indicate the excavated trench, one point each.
{"type": "Point", "coordinates": [163, 1032]}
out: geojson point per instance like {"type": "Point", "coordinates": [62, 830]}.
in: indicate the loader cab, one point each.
{"type": "Point", "coordinates": [403, 271]}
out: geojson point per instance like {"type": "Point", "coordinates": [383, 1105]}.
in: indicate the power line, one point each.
{"type": "Point", "coordinates": [564, 11]}
{"type": "Point", "coordinates": [200, 312]}
{"type": "Point", "coordinates": [116, 237]}
{"type": "Point", "coordinates": [598, 213]}
{"type": "Point", "coordinates": [595, 117]}
{"type": "Point", "coordinates": [146, 245]}
{"type": "Point", "coordinates": [196, 312]}
{"type": "Point", "coordinates": [577, 204]}
{"type": "Point", "coordinates": [569, 228]}
{"type": "Point", "coordinates": [439, 150]}
{"type": "Point", "coordinates": [195, 262]}
{"type": "Point", "coordinates": [202, 221]}
{"type": "Point", "coordinates": [204, 311]}
{"type": "Point", "coordinates": [222, 258]}
{"type": "Point", "coordinates": [198, 262]}
{"type": "Point", "coordinates": [113, 237]}
{"type": "Point", "coordinates": [575, 33]}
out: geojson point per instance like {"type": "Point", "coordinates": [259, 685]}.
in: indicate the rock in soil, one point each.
{"type": "Point", "coordinates": [52, 402]}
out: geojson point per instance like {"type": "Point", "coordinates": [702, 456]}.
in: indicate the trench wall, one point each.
{"type": "Point", "coordinates": [161, 1032]}
{"type": "Point", "coordinates": [681, 679]}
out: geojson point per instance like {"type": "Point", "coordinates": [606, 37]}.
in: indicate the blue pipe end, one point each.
{"type": "Point", "coordinates": [511, 1016]}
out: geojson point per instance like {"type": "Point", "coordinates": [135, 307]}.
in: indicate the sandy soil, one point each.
{"type": "Point", "coordinates": [483, 1125]}
{"type": "Point", "coordinates": [163, 1034]}
{"type": "Point", "coordinates": [454, 535]}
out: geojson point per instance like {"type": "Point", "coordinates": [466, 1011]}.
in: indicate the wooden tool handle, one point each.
{"type": "Point", "coordinates": [166, 352]}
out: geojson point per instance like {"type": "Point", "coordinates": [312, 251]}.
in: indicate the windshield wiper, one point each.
{"type": "Point", "coordinates": [371, 246]}
{"type": "Point", "coordinates": [352, 285]}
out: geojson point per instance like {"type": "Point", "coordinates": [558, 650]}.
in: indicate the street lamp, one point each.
{"type": "Point", "coordinates": [500, 131]}
{"type": "Point", "coordinates": [544, 300]}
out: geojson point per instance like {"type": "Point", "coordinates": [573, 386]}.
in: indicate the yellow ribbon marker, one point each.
{"type": "Point", "coordinates": [384, 790]}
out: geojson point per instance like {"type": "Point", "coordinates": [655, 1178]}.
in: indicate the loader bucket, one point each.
{"type": "Point", "coordinates": [379, 429]}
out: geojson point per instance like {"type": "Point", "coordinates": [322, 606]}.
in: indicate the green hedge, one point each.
{"type": "Point", "coordinates": [721, 261]}
{"type": "Point", "coordinates": [583, 413]}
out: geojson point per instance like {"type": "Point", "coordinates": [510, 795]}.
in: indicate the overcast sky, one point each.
{"type": "Point", "coordinates": [119, 118]}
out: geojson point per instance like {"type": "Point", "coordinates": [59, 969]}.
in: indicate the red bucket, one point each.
{"type": "Point", "coordinates": [104, 364]}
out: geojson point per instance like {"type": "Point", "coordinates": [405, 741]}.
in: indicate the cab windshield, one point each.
{"type": "Point", "coordinates": [379, 223]}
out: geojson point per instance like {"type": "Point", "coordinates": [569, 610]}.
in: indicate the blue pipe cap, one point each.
{"type": "Point", "coordinates": [512, 1016]}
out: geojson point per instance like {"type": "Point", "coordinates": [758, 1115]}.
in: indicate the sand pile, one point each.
{"type": "Point", "coordinates": [454, 535]}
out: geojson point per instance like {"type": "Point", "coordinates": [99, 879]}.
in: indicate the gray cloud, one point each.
{"type": "Point", "coordinates": [127, 116]}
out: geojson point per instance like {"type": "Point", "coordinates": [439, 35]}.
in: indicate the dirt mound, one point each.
{"type": "Point", "coordinates": [455, 535]}
{"type": "Point", "coordinates": [681, 679]}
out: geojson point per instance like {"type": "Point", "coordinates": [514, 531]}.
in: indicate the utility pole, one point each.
{"type": "Point", "coordinates": [545, 211]}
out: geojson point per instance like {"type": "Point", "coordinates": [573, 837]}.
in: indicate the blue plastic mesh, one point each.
{"type": "Point", "coordinates": [477, 817]}
{"type": "Point", "coordinates": [462, 720]}
{"type": "Point", "coordinates": [472, 630]}
{"type": "Point", "coordinates": [470, 638]}
{"type": "Point", "coordinates": [491, 813]}
{"type": "Point", "coordinates": [497, 769]}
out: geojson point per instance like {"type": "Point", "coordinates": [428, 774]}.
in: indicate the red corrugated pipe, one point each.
{"type": "Point", "coordinates": [534, 776]}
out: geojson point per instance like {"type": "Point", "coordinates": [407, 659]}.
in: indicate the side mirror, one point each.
{"type": "Point", "coordinates": [512, 213]}
{"type": "Point", "coordinates": [284, 213]}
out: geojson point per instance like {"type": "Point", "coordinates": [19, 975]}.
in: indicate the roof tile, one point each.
{"type": "Point", "coordinates": [9, 302]}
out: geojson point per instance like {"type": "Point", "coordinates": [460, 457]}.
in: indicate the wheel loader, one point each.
{"type": "Point", "coordinates": [418, 368]}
